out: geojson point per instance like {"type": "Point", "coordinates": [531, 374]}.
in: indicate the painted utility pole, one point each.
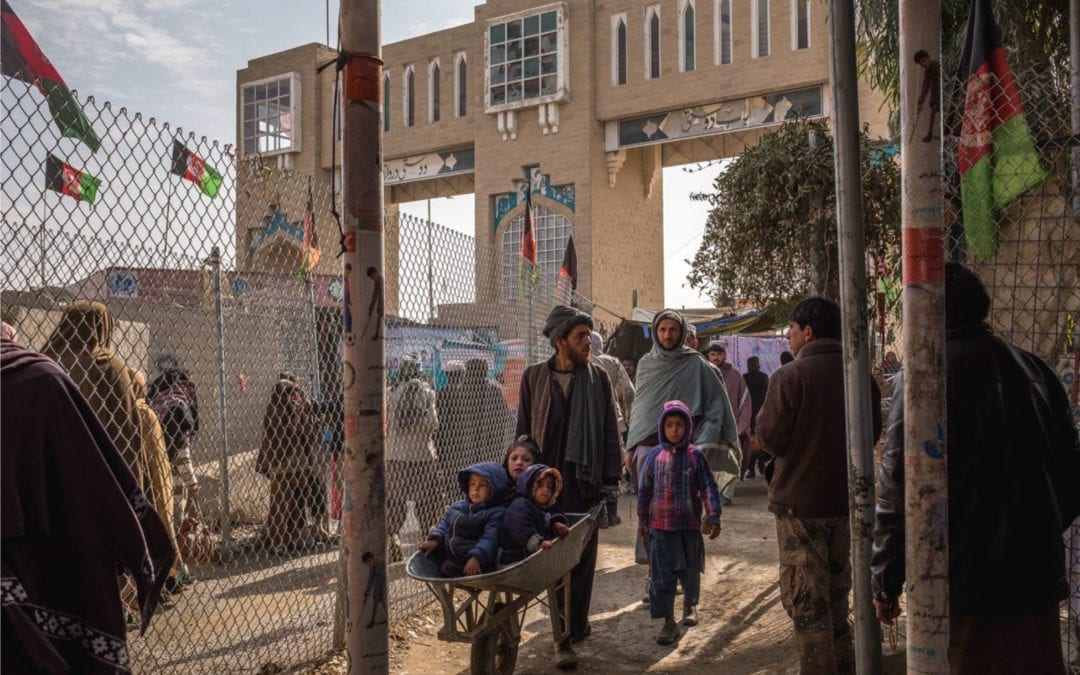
{"type": "Point", "coordinates": [364, 508]}
{"type": "Point", "coordinates": [856, 333]}
{"type": "Point", "coordinates": [926, 487]}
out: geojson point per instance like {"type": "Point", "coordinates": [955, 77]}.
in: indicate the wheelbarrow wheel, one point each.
{"type": "Point", "coordinates": [496, 650]}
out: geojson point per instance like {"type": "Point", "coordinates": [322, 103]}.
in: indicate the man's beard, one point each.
{"type": "Point", "coordinates": [580, 359]}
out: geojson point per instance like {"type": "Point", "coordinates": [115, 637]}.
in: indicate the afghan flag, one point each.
{"type": "Point", "coordinates": [996, 156]}
{"type": "Point", "coordinates": [67, 180]}
{"type": "Point", "coordinates": [22, 59]}
{"type": "Point", "coordinates": [567, 283]}
{"type": "Point", "coordinates": [310, 251]}
{"type": "Point", "coordinates": [528, 230]}
{"type": "Point", "coordinates": [187, 164]}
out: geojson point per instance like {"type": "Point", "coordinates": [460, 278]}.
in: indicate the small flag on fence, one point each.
{"type": "Point", "coordinates": [22, 59]}
{"type": "Point", "coordinates": [996, 156]}
{"type": "Point", "coordinates": [310, 251]}
{"type": "Point", "coordinates": [187, 164]}
{"type": "Point", "coordinates": [67, 180]}
{"type": "Point", "coordinates": [567, 284]}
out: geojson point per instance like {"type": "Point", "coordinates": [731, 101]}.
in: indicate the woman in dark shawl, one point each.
{"type": "Point", "coordinates": [286, 457]}
{"type": "Point", "coordinates": [72, 515]}
{"type": "Point", "coordinates": [82, 345]}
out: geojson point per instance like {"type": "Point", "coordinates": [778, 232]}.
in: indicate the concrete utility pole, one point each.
{"type": "Point", "coordinates": [857, 397]}
{"type": "Point", "coordinates": [926, 486]}
{"type": "Point", "coordinates": [364, 519]}
{"type": "Point", "coordinates": [1074, 88]}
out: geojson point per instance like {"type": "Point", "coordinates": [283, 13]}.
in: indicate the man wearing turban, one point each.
{"type": "Point", "coordinates": [567, 405]}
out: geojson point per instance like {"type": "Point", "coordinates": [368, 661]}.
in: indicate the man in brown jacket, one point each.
{"type": "Point", "coordinates": [801, 423]}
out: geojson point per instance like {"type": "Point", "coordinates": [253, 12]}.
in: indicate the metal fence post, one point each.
{"type": "Point", "coordinates": [219, 330]}
{"type": "Point", "coordinates": [926, 486]}
{"type": "Point", "coordinates": [857, 397]}
{"type": "Point", "coordinates": [364, 360]}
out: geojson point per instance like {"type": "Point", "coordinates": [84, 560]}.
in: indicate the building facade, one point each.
{"type": "Point", "coordinates": [581, 103]}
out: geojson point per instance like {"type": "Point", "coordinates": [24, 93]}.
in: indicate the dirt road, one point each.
{"type": "Point", "coordinates": [743, 626]}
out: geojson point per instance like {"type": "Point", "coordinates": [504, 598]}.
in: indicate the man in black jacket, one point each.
{"type": "Point", "coordinates": [1013, 471]}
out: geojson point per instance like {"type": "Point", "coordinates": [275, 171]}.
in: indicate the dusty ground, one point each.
{"type": "Point", "coordinates": [743, 626]}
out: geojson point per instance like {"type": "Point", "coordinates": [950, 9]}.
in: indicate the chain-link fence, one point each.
{"type": "Point", "coordinates": [199, 274]}
{"type": "Point", "coordinates": [1019, 229]}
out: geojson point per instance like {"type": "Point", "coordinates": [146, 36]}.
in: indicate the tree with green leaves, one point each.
{"type": "Point", "coordinates": [771, 232]}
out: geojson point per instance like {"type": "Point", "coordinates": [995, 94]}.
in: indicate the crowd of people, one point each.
{"type": "Point", "coordinates": [683, 423]}
{"type": "Point", "coordinates": [696, 425]}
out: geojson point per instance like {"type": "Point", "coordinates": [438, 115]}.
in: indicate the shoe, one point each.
{"type": "Point", "coordinates": [668, 634]}
{"type": "Point", "coordinates": [678, 588]}
{"type": "Point", "coordinates": [613, 518]}
{"type": "Point", "coordinates": [689, 617]}
{"type": "Point", "coordinates": [648, 590]}
{"type": "Point", "coordinates": [565, 658]}
{"type": "Point", "coordinates": [602, 520]}
{"type": "Point", "coordinates": [727, 501]}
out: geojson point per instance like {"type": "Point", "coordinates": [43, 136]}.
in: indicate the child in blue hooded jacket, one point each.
{"type": "Point", "coordinates": [466, 540]}
{"type": "Point", "coordinates": [534, 517]}
{"type": "Point", "coordinates": [675, 487]}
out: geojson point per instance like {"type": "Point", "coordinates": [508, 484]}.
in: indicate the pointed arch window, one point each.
{"type": "Point", "coordinates": [618, 49]}
{"type": "Point", "coordinates": [687, 37]}
{"type": "Point", "coordinates": [800, 24]}
{"type": "Point", "coordinates": [652, 42]}
{"type": "Point", "coordinates": [760, 28]}
{"type": "Point", "coordinates": [408, 92]}
{"type": "Point", "coordinates": [723, 32]}
{"type": "Point", "coordinates": [552, 232]}
{"type": "Point", "coordinates": [461, 89]}
{"type": "Point", "coordinates": [434, 90]}
{"type": "Point", "coordinates": [386, 102]}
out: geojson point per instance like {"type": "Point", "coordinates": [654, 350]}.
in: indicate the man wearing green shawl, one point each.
{"type": "Point", "coordinates": [673, 371]}
{"type": "Point", "coordinates": [567, 405]}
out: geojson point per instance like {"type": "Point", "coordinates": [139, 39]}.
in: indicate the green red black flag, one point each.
{"type": "Point", "coordinates": [67, 180]}
{"type": "Point", "coordinates": [996, 156]}
{"type": "Point", "coordinates": [22, 59]}
{"type": "Point", "coordinates": [567, 283]}
{"type": "Point", "coordinates": [190, 166]}
{"type": "Point", "coordinates": [528, 229]}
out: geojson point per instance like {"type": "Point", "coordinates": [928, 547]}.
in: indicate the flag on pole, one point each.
{"type": "Point", "coordinates": [996, 156]}
{"type": "Point", "coordinates": [567, 283]}
{"type": "Point", "coordinates": [310, 251]}
{"type": "Point", "coordinates": [22, 59]}
{"type": "Point", "coordinates": [67, 180]}
{"type": "Point", "coordinates": [190, 166]}
{"type": "Point", "coordinates": [528, 235]}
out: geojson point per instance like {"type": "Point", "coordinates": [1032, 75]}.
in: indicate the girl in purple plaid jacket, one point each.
{"type": "Point", "coordinates": [676, 486]}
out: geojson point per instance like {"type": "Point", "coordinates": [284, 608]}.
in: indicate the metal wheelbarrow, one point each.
{"type": "Point", "coordinates": [492, 609]}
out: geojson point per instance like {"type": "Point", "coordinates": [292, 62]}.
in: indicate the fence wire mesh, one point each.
{"type": "Point", "coordinates": [227, 333]}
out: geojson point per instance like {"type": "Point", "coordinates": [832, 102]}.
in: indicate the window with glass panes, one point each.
{"type": "Point", "coordinates": [688, 29]}
{"type": "Point", "coordinates": [269, 115]}
{"type": "Point", "coordinates": [761, 28]}
{"type": "Point", "coordinates": [724, 17]}
{"type": "Point", "coordinates": [801, 29]}
{"type": "Point", "coordinates": [523, 59]}
{"type": "Point", "coordinates": [553, 230]}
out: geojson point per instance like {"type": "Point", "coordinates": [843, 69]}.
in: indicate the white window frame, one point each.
{"type": "Point", "coordinates": [795, 25]}
{"type": "Point", "coordinates": [295, 98]}
{"type": "Point", "coordinates": [561, 53]}
{"type": "Point", "coordinates": [615, 20]}
{"type": "Point", "coordinates": [553, 229]}
{"type": "Point", "coordinates": [650, 10]}
{"type": "Point", "coordinates": [388, 107]}
{"type": "Point", "coordinates": [718, 33]}
{"type": "Point", "coordinates": [755, 37]}
{"type": "Point", "coordinates": [405, 107]}
{"type": "Point", "coordinates": [432, 65]}
{"type": "Point", "coordinates": [460, 58]}
{"type": "Point", "coordinates": [683, 4]}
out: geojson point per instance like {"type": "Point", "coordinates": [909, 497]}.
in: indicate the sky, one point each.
{"type": "Point", "coordinates": [176, 61]}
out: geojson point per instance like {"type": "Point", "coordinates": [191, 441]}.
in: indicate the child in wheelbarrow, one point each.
{"type": "Point", "coordinates": [466, 540]}
{"type": "Point", "coordinates": [674, 488]}
{"type": "Point", "coordinates": [534, 519]}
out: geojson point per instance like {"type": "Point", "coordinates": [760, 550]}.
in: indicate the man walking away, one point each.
{"type": "Point", "coordinates": [802, 424]}
{"type": "Point", "coordinates": [1013, 472]}
{"type": "Point", "coordinates": [757, 382]}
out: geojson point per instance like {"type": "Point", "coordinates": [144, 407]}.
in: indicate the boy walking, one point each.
{"type": "Point", "coordinates": [676, 485]}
